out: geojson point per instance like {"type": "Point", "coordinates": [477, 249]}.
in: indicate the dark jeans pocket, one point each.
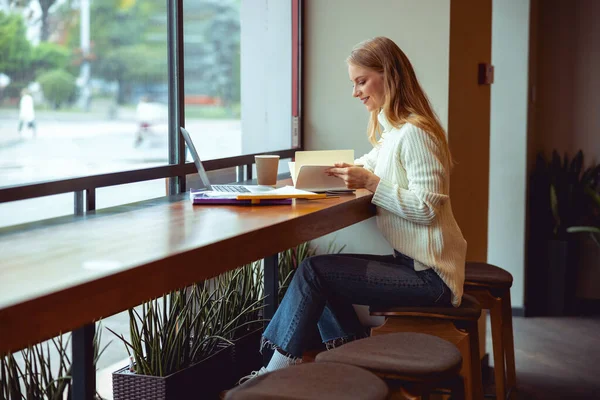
{"type": "Point", "coordinates": [440, 293]}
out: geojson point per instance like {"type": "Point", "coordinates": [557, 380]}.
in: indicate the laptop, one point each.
{"type": "Point", "coordinates": [218, 188]}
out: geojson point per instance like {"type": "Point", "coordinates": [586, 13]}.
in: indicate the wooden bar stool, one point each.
{"type": "Point", "coordinates": [411, 363]}
{"type": "Point", "coordinates": [313, 381]}
{"type": "Point", "coordinates": [457, 325]}
{"type": "Point", "coordinates": [490, 285]}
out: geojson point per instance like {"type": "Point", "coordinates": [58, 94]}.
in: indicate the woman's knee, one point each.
{"type": "Point", "coordinates": [316, 265]}
{"type": "Point", "coordinates": [306, 267]}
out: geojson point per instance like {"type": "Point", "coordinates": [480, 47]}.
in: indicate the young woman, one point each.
{"type": "Point", "coordinates": [408, 171]}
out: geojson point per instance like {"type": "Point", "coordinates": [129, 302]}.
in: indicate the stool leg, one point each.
{"type": "Point", "coordinates": [474, 380]}
{"type": "Point", "coordinates": [508, 341]}
{"type": "Point", "coordinates": [399, 392]}
{"type": "Point", "coordinates": [497, 342]}
{"type": "Point", "coordinates": [457, 389]}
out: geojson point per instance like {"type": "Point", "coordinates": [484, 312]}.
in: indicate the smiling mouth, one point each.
{"type": "Point", "coordinates": [364, 100]}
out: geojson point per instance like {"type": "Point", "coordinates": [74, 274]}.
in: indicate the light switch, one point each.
{"type": "Point", "coordinates": [486, 74]}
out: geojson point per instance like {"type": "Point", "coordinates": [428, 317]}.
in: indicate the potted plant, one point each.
{"type": "Point", "coordinates": [182, 343]}
{"type": "Point", "coordinates": [594, 218]}
{"type": "Point", "coordinates": [39, 373]}
{"type": "Point", "coordinates": [592, 228]}
{"type": "Point", "coordinates": [558, 200]}
{"type": "Point", "coordinates": [174, 348]}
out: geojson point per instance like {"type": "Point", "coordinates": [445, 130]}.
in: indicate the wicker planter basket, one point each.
{"type": "Point", "coordinates": [204, 380]}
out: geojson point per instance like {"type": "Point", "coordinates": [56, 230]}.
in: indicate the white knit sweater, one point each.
{"type": "Point", "coordinates": [413, 203]}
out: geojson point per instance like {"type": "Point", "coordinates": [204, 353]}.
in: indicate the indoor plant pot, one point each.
{"type": "Point", "coordinates": [557, 263]}
{"type": "Point", "coordinates": [205, 379]}
{"type": "Point", "coordinates": [246, 355]}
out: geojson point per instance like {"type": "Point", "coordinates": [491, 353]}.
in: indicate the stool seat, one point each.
{"type": "Point", "coordinates": [416, 356]}
{"type": "Point", "coordinates": [469, 309]}
{"type": "Point", "coordinates": [313, 381]}
{"type": "Point", "coordinates": [480, 273]}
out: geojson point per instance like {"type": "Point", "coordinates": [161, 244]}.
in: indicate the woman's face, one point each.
{"type": "Point", "coordinates": [367, 86]}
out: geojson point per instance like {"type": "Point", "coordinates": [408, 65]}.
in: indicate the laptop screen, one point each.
{"type": "Point", "coordinates": [196, 157]}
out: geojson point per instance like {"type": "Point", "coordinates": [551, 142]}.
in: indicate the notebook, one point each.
{"type": "Point", "coordinates": [309, 170]}
{"type": "Point", "coordinates": [203, 197]}
{"type": "Point", "coordinates": [282, 195]}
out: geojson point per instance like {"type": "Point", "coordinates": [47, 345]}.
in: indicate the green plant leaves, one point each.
{"type": "Point", "coordinates": [185, 326]}
{"type": "Point", "coordinates": [37, 377]}
{"type": "Point", "coordinates": [562, 193]}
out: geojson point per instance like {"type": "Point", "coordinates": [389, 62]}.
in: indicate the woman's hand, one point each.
{"type": "Point", "coordinates": [355, 177]}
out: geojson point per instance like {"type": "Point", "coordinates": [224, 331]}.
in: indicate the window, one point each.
{"type": "Point", "coordinates": [237, 54]}
{"type": "Point", "coordinates": [85, 86]}
{"type": "Point", "coordinates": [84, 93]}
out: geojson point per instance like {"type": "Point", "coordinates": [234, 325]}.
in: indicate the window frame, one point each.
{"type": "Point", "coordinates": [177, 167]}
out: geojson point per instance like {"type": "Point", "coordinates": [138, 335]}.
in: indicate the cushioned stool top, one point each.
{"type": "Point", "coordinates": [313, 381]}
{"type": "Point", "coordinates": [469, 309]}
{"type": "Point", "coordinates": [487, 274]}
{"type": "Point", "coordinates": [408, 354]}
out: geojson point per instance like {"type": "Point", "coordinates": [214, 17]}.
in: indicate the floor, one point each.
{"type": "Point", "coordinates": [556, 358]}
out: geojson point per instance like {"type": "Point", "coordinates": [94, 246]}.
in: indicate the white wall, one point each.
{"type": "Point", "coordinates": [266, 57]}
{"type": "Point", "coordinates": [333, 119]}
{"type": "Point", "coordinates": [508, 141]}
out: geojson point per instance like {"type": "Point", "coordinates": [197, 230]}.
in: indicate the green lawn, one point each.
{"type": "Point", "coordinates": [212, 112]}
{"type": "Point", "coordinates": [101, 106]}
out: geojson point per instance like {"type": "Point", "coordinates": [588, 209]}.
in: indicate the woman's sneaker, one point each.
{"type": "Point", "coordinates": [252, 375]}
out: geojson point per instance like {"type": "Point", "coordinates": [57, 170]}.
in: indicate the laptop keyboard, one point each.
{"type": "Point", "coordinates": [231, 188]}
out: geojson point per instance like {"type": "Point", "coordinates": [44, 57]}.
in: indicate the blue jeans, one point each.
{"type": "Point", "coordinates": [325, 287]}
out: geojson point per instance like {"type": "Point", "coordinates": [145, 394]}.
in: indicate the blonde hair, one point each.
{"type": "Point", "coordinates": [404, 101]}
